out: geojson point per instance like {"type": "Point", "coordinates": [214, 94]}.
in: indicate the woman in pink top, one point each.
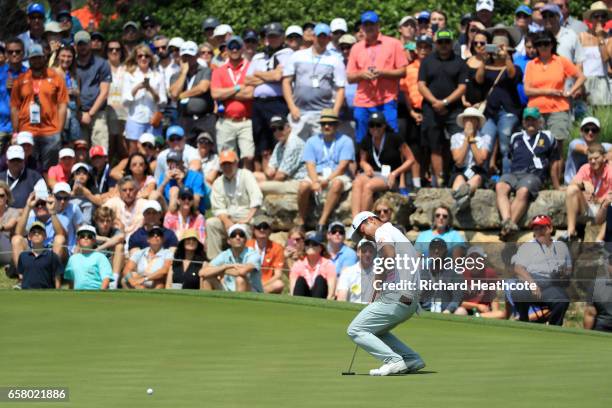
{"type": "Point", "coordinates": [315, 275]}
{"type": "Point", "coordinates": [183, 215]}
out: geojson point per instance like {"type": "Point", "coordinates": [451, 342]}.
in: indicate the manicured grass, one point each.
{"type": "Point", "coordinates": [217, 350]}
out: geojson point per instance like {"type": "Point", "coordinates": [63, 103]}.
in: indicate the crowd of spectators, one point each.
{"type": "Point", "coordinates": [142, 161]}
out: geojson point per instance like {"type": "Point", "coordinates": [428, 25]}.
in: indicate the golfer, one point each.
{"type": "Point", "coordinates": [371, 328]}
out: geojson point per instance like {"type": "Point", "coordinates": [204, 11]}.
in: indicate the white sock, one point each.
{"type": "Point", "coordinates": [416, 182]}
{"type": "Point", "coordinates": [114, 282]}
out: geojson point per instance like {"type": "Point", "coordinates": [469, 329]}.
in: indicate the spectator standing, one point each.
{"type": "Point", "coordinates": [442, 82]}
{"type": "Point", "coordinates": [189, 259]}
{"type": "Point", "coordinates": [294, 37]}
{"type": "Point", "coordinates": [484, 12]}
{"type": "Point", "coordinates": [39, 267]}
{"type": "Point", "coordinates": [531, 151]}
{"type": "Point", "coordinates": [522, 22]}
{"type": "Point", "coordinates": [150, 29]}
{"type": "Point", "coordinates": [597, 51]}
{"type": "Point", "coordinates": [569, 21]}
{"type": "Point", "coordinates": [355, 282]}
{"type": "Point", "coordinates": [313, 80]}
{"type": "Point", "coordinates": [590, 132]}
{"type": "Point", "coordinates": [407, 28]}
{"type": "Point", "coordinates": [315, 275]}
{"type": "Point", "coordinates": [235, 199]}
{"type": "Point", "coordinates": [20, 179]}
{"type": "Point", "coordinates": [65, 66]}
{"type": "Point", "coordinates": [167, 67]}
{"type": "Point", "coordinates": [377, 64]}
{"type": "Point", "coordinates": [327, 156]}
{"type": "Point", "coordinates": [234, 129]}
{"type": "Point", "coordinates": [39, 101]}
{"type": "Point", "coordinates": [340, 254]}
{"type": "Point", "coordinates": [270, 253]}
{"type": "Point", "coordinates": [441, 228]}
{"type": "Point", "coordinates": [148, 266]}
{"type": "Point", "coordinates": [90, 15]}
{"type": "Point", "coordinates": [36, 26]}
{"type": "Point", "coordinates": [131, 36]}
{"type": "Point", "coordinates": [265, 73]}
{"type": "Point", "coordinates": [15, 51]}
{"type": "Point", "coordinates": [94, 75]}
{"type": "Point", "coordinates": [116, 112]}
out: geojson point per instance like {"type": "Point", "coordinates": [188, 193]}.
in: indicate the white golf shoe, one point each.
{"type": "Point", "coordinates": [390, 368]}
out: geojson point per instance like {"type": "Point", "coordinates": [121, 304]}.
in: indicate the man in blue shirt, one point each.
{"type": "Point", "coordinates": [327, 157]}
{"type": "Point", "coordinates": [237, 269]}
{"type": "Point", "coordinates": [176, 178]}
{"type": "Point", "coordinates": [341, 255]}
{"type": "Point", "coordinates": [89, 269]}
{"type": "Point", "coordinates": [531, 151]}
{"type": "Point", "coordinates": [441, 228]}
{"type": "Point", "coordinates": [69, 211]}
{"type": "Point", "coordinates": [39, 268]}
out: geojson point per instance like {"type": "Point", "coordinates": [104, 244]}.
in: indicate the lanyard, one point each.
{"type": "Point", "coordinates": [375, 155]}
{"type": "Point", "coordinates": [553, 247]}
{"type": "Point", "coordinates": [328, 153]}
{"type": "Point", "coordinates": [230, 72]}
{"type": "Point", "coordinates": [598, 185]}
{"type": "Point", "coordinates": [68, 81]}
{"type": "Point", "coordinates": [317, 61]}
{"type": "Point", "coordinates": [180, 221]}
{"type": "Point", "coordinates": [531, 148]}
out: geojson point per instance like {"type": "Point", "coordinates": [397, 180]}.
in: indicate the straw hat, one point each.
{"type": "Point", "coordinates": [471, 113]}
{"type": "Point", "coordinates": [595, 7]}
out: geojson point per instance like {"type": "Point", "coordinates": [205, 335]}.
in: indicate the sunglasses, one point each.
{"type": "Point", "coordinates": [186, 197]}
{"type": "Point", "coordinates": [14, 52]}
{"type": "Point", "coordinates": [480, 43]}
{"type": "Point", "coordinates": [375, 125]}
{"type": "Point", "coordinates": [148, 26]}
{"type": "Point", "coordinates": [330, 124]}
{"type": "Point", "coordinates": [141, 56]}
{"type": "Point", "coordinates": [276, 128]}
{"type": "Point", "coordinates": [345, 47]}
{"type": "Point", "coordinates": [440, 215]}
{"type": "Point", "coordinates": [311, 244]}
{"type": "Point", "coordinates": [64, 19]}
{"type": "Point", "coordinates": [234, 47]}
{"type": "Point", "coordinates": [522, 15]}
{"type": "Point", "coordinates": [383, 211]}
{"type": "Point", "coordinates": [174, 139]}
{"type": "Point", "coordinates": [238, 234]}
{"type": "Point", "coordinates": [87, 235]}
{"type": "Point", "coordinates": [297, 239]}
{"type": "Point", "coordinates": [263, 226]}
{"type": "Point", "coordinates": [599, 16]}
{"type": "Point", "coordinates": [148, 146]}
{"type": "Point", "coordinates": [206, 53]}
{"type": "Point", "coordinates": [156, 234]}
{"type": "Point", "coordinates": [547, 16]}
{"type": "Point", "coordinates": [543, 44]}
{"type": "Point", "coordinates": [37, 231]}
{"type": "Point", "coordinates": [444, 42]}
{"type": "Point", "coordinates": [40, 204]}
{"type": "Point", "coordinates": [335, 231]}
{"type": "Point", "coordinates": [590, 129]}
{"type": "Point", "coordinates": [114, 49]}
{"type": "Point", "coordinates": [62, 198]}
{"type": "Point", "coordinates": [251, 41]}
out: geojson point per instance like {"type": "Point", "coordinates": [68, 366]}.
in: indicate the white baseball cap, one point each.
{"type": "Point", "coordinates": [15, 152]}
{"type": "Point", "coordinates": [146, 138]}
{"type": "Point", "coordinates": [78, 166]}
{"type": "Point", "coordinates": [25, 138]}
{"type": "Point", "coordinates": [294, 29]}
{"type": "Point", "coordinates": [66, 152]}
{"type": "Point", "coordinates": [189, 48]}
{"type": "Point", "coordinates": [152, 205]}
{"type": "Point", "coordinates": [364, 241]}
{"type": "Point", "coordinates": [222, 29]}
{"type": "Point", "coordinates": [338, 24]}
{"type": "Point", "coordinates": [590, 120]}
{"type": "Point", "coordinates": [477, 249]}
{"type": "Point", "coordinates": [240, 227]}
{"type": "Point", "coordinates": [357, 221]}
{"type": "Point", "coordinates": [61, 187]}
{"type": "Point", "coordinates": [485, 5]}
{"type": "Point", "coordinates": [176, 42]}
{"type": "Point", "coordinates": [86, 228]}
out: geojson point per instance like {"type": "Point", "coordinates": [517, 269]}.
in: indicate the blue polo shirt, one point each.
{"type": "Point", "coordinates": [248, 256]}
{"type": "Point", "coordinates": [88, 270]}
{"type": "Point", "coordinates": [194, 180]}
{"type": "Point", "coordinates": [90, 76]}
{"type": "Point", "coordinates": [138, 239]}
{"type": "Point", "coordinates": [39, 272]}
{"type": "Point", "coordinates": [522, 158]}
{"type": "Point", "coordinates": [451, 237]}
{"type": "Point", "coordinates": [328, 154]}
{"type": "Point", "coordinates": [344, 258]}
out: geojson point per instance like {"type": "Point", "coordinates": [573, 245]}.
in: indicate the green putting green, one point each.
{"type": "Point", "coordinates": [220, 350]}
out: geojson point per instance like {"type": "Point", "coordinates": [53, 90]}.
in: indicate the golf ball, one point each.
{"type": "Point", "coordinates": [150, 391]}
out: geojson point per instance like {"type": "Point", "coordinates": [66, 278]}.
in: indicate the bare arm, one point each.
{"type": "Point", "coordinates": [201, 88]}
{"type": "Point", "coordinates": [101, 99]}
{"type": "Point", "coordinates": [209, 271]}
{"type": "Point", "coordinates": [339, 100]}
{"type": "Point", "coordinates": [589, 317]}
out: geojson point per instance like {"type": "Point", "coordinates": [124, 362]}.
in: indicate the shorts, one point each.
{"type": "Point", "coordinates": [263, 110]}
{"type": "Point", "coordinates": [347, 183]}
{"type": "Point", "coordinates": [235, 135]}
{"type": "Point", "coordinates": [437, 130]}
{"type": "Point", "coordinates": [558, 123]}
{"type": "Point", "coordinates": [591, 210]}
{"type": "Point", "coordinates": [116, 125]}
{"type": "Point", "coordinates": [96, 133]}
{"type": "Point", "coordinates": [308, 124]}
{"type": "Point", "coordinates": [522, 179]}
{"type": "Point", "coordinates": [133, 130]}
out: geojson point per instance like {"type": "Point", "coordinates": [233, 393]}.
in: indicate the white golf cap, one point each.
{"type": "Point", "coordinates": [590, 120]}
{"type": "Point", "coordinates": [66, 152]}
{"type": "Point", "coordinates": [176, 42]}
{"type": "Point", "coordinates": [15, 152]}
{"type": "Point", "coordinates": [338, 24]}
{"type": "Point", "coordinates": [222, 29]}
{"type": "Point", "coordinates": [477, 249]}
{"type": "Point", "coordinates": [78, 166]}
{"type": "Point", "coordinates": [146, 138]}
{"type": "Point", "coordinates": [364, 241]}
{"type": "Point", "coordinates": [485, 5]}
{"type": "Point", "coordinates": [86, 228]}
{"type": "Point", "coordinates": [357, 221]}
{"type": "Point", "coordinates": [61, 187]}
{"type": "Point", "coordinates": [25, 138]}
{"type": "Point", "coordinates": [189, 48]}
{"type": "Point", "coordinates": [294, 29]}
{"type": "Point", "coordinates": [240, 227]}
{"type": "Point", "coordinates": [152, 205]}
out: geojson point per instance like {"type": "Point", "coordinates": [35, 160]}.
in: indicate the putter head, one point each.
{"type": "Point", "coordinates": [348, 373]}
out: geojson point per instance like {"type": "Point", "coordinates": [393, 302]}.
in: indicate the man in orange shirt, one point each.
{"type": "Point", "coordinates": [91, 13]}
{"type": "Point", "coordinates": [376, 64]}
{"type": "Point", "coordinates": [38, 105]}
{"type": "Point", "coordinates": [271, 254]}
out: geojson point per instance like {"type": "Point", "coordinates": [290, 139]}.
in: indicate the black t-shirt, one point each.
{"type": "Point", "coordinates": [391, 153]}
{"type": "Point", "coordinates": [39, 272]}
{"type": "Point", "coordinates": [443, 76]}
{"type": "Point", "coordinates": [475, 92]}
{"type": "Point", "coordinates": [189, 278]}
{"type": "Point", "coordinates": [505, 94]}
{"type": "Point", "coordinates": [197, 105]}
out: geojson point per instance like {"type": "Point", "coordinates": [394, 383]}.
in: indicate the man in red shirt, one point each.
{"type": "Point", "coordinates": [234, 129]}
{"type": "Point", "coordinates": [38, 105]}
{"type": "Point", "coordinates": [376, 64]}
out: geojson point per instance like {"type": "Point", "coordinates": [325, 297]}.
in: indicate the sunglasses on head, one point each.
{"type": "Point", "coordinates": [237, 234]}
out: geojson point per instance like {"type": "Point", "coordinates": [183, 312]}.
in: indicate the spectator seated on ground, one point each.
{"type": "Point", "coordinates": [177, 177]}
{"type": "Point", "coordinates": [482, 302]}
{"type": "Point", "coordinates": [20, 178]}
{"type": "Point", "coordinates": [588, 190]}
{"type": "Point", "coordinates": [590, 130]}
{"type": "Point", "coordinates": [88, 269]}
{"type": "Point", "coordinates": [531, 151]}
{"type": "Point", "coordinates": [355, 281]}
{"type": "Point", "coordinates": [315, 274]}
{"type": "Point", "coordinates": [286, 165]}
{"type": "Point", "coordinates": [110, 240]}
{"type": "Point", "coordinates": [442, 300]}
{"type": "Point", "coordinates": [237, 269]}
{"type": "Point", "coordinates": [147, 267]}
{"type": "Point", "coordinates": [139, 239]}
{"type": "Point", "coordinates": [442, 227]}
{"type": "Point", "coordinates": [189, 258]}
{"type": "Point", "coordinates": [470, 150]}
{"type": "Point", "coordinates": [235, 199]}
{"type": "Point", "coordinates": [271, 255]}
{"type": "Point", "coordinates": [39, 267]}
{"type": "Point", "coordinates": [384, 157]}
{"type": "Point", "coordinates": [327, 156]}
{"type": "Point", "coordinates": [340, 254]}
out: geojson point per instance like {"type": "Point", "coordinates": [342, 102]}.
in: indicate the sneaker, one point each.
{"type": "Point", "coordinates": [413, 366]}
{"type": "Point", "coordinates": [462, 203]}
{"type": "Point", "coordinates": [404, 191]}
{"type": "Point", "coordinates": [390, 368]}
{"type": "Point", "coordinates": [462, 191]}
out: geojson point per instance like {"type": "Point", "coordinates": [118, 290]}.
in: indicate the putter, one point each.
{"type": "Point", "coordinates": [349, 371]}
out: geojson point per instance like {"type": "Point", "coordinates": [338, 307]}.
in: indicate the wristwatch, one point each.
{"type": "Point", "coordinates": [445, 102]}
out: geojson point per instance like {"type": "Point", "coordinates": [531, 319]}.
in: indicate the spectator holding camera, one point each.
{"type": "Point", "coordinates": [177, 178]}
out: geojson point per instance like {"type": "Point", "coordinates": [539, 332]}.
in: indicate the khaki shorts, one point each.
{"type": "Point", "coordinates": [558, 123]}
{"type": "Point", "coordinates": [97, 131]}
{"type": "Point", "coordinates": [347, 183]}
{"type": "Point", "coordinates": [235, 135]}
